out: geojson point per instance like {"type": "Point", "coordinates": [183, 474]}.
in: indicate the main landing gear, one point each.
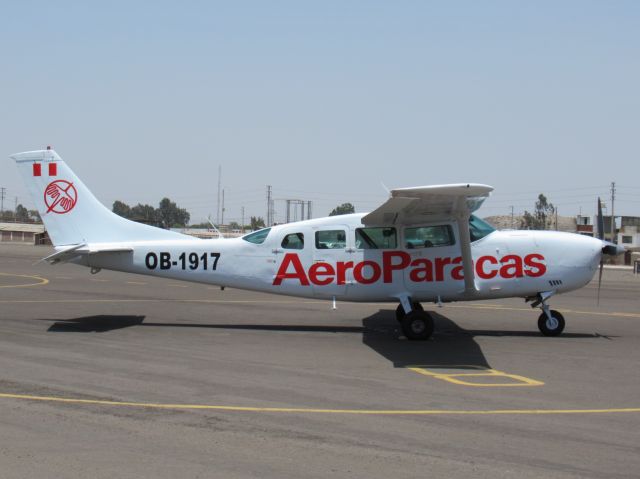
{"type": "Point", "coordinates": [416, 325]}
{"type": "Point", "coordinates": [550, 322]}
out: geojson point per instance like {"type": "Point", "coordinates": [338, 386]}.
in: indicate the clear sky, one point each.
{"type": "Point", "coordinates": [326, 100]}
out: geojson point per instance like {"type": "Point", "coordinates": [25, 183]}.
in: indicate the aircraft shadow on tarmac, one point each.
{"type": "Point", "coordinates": [450, 346]}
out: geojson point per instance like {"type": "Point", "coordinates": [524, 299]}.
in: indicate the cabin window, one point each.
{"type": "Point", "coordinates": [293, 241]}
{"type": "Point", "coordinates": [331, 239]}
{"type": "Point", "coordinates": [376, 238]}
{"type": "Point", "coordinates": [257, 237]}
{"type": "Point", "coordinates": [478, 228]}
{"type": "Point", "coordinates": [428, 236]}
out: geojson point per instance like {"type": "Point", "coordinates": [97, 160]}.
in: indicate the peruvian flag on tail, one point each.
{"type": "Point", "coordinates": [37, 169]}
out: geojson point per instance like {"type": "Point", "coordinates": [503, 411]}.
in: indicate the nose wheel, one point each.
{"type": "Point", "coordinates": [551, 323]}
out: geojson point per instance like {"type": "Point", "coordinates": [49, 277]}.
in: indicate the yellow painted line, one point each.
{"type": "Point", "coordinates": [99, 280]}
{"type": "Point", "coordinates": [414, 412]}
{"type": "Point", "coordinates": [175, 285]}
{"type": "Point", "coordinates": [465, 379]}
{"type": "Point", "coordinates": [572, 311]}
{"type": "Point", "coordinates": [41, 281]}
{"type": "Point", "coordinates": [136, 282]}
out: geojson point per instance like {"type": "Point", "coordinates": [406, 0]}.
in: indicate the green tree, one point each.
{"type": "Point", "coordinates": [542, 216]}
{"type": "Point", "coordinates": [234, 225]}
{"type": "Point", "coordinates": [121, 209]}
{"type": "Point", "coordinates": [170, 215]}
{"type": "Point", "coordinates": [257, 222]}
{"type": "Point", "coordinates": [343, 209]}
{"type": "Point", "coordinates": [144, 214]}
{"type": "Point", "coordinates": [22, 214]}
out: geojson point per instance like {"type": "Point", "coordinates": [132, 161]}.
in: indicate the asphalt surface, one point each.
{"type": "Point", "coordinates": [168, 379]}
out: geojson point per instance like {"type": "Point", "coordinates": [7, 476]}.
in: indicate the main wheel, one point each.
{"type": "Point", "coordinates": [400, 310]}
{"type": "Point", "coordinates": [551, 326]}
{"type": "Point", "coordinates": [417, 325]}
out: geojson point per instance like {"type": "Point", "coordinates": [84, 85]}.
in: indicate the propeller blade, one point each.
{"type": "Point", "coordinates": [600, 279]}
{"type": "Point", "coordinates": [600, 221]}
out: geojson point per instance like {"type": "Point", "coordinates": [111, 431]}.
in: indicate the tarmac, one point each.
{"type": "Point", "coordinates": [116, 375]}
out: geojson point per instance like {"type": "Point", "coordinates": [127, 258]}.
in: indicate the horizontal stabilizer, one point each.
{"type": "Point", "coordinates": [75, 251]}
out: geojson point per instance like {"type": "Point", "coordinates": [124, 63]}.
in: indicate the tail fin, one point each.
{"type": "Point", "coordinates": [71, 214]}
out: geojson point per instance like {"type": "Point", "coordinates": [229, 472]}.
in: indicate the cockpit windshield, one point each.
{"type": "Point", "coordinates": [478, 228]}
{"type": "Point", "coordinates": [257, 237]}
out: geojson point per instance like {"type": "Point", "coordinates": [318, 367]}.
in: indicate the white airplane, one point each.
{"type": "Point", "coordinates": [422, 245]}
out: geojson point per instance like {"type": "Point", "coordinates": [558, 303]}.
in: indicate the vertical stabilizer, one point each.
{"type": "Point", "coordinates": [70, 212]}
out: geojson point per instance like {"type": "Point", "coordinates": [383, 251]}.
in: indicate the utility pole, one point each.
{"type": "Point", "coordinates": [219, 182]}
{"type": "Point", "coordinates": [269, 205]}
{"type": "Point", "coordinates": [512, 223]}
{"type": "Point", "coordinates": [556, 212]}
{"type": "Point", "coordinates": [3, 190]}
{"type": "Point", "coordinates": [222, 219]}
{"type": "Point", "coordinates": [613, 217]}
{"type": "Point", "coordinates": [242, 224]}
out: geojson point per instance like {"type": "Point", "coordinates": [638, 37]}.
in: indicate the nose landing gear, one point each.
{"type": "Point", "coordinates": [550, 322]}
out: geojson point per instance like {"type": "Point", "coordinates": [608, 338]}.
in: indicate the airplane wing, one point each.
{"type": "Point", "coordinates": [426, 203]}
{"type": "Point", "coordinates": [67, 254]}
{"type": "Point", "coordinates": [433, 203]}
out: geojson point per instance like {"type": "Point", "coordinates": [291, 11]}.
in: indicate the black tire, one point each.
{"type": "Point", "coordinates": [400, 310]}
{"type": "Point", "coordinates": [417, 325]}
{"type": "Point", "coordinates": [551, 327]}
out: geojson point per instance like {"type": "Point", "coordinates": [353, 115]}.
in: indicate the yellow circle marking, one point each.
{"type": "Point", "coordinates": [398, 412]}
{"type": "Point", "coordinates": [41, 281]}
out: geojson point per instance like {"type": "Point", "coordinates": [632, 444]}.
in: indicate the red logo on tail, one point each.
{"type": "Point", "coordinates": [60, 197]}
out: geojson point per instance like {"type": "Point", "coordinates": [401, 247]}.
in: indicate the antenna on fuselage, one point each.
{"type": "Point", "coordinates": [220, 235]}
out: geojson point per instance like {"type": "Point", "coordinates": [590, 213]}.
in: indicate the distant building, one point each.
{"type": "Point", "coordinates": [584, 225]}
{"type": "Point", "coordinates": [629, 232]}
{"type": "Point", "coordinates": [23, 233]}
{"type": "Point", "coordinates": [626, 230]}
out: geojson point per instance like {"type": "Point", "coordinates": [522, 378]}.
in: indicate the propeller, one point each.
{"type": "Point", "coordinates": [601, 238]}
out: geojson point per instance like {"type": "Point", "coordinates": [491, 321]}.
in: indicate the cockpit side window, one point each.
{"type": "Point", "coordinates": [429, 236]}
{"type": "Point", "coordinates": [478, 228]}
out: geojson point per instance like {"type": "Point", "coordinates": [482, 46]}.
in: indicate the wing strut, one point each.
{"type": "Point", "coordinates": [465, 247]}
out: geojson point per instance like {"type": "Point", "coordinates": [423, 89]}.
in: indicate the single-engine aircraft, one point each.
{"type": "Point", "coordinates": [422, 245]}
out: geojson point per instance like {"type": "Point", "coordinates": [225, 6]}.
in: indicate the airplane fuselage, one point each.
{"type": "Point", "coordinates": [328, 258]}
